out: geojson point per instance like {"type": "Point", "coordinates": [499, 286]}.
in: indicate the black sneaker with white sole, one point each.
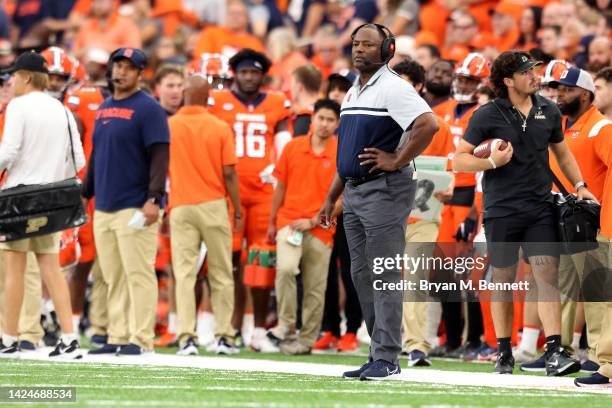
{"type": "Point", "coordinates": [595, 380]}
{"type": "Point", "coordinates": [190, 348]}
{"type": "Point", "coordinates": [12, 350]}
{"type": "Point", "coordinates": [534, 366]}
{"type": "Point", "coordinates": [416, 358]}
{"type": "Point", "coordinates": [357, 373]}
{"type": "Point", "coordinates": [225, 347]}
{"type": "Point", "coordinates": [380, 370]}
{"type": "Point", "coordinates": [25, 345]}
{"type": "Point", "coordinates": [559, 362]}
{"type": "Point", "coordinates": [65, 351]}
{"type": "Point", "coordinates": [504, 363]}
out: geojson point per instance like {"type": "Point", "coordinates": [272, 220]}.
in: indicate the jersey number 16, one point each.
{"type": "Point", "coordinates": [251, 143]}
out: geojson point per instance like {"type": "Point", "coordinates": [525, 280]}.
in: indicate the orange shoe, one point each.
{"type": "Point", "coordinates": [166, 340]}
{"type": "Point", "coordinates": [326, 342]}
{"type": "Point", "coordinates": [348, 343]}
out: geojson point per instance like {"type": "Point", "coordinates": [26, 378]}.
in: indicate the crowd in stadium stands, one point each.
{"type": "Point", "coordinates": [264, 275]}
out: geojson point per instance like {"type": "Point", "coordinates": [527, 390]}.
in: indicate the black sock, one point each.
{"type": "Point", "coordinates": [553, 342]}
{"type": "Point", "coordinates": [504, 345]}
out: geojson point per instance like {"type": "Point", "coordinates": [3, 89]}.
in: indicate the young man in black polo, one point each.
{"type": "Point", "coordinates": [517, 198]}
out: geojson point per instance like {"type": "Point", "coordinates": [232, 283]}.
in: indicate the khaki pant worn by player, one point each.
{"type": "Point", "coordinates": [29, 320]}
{"type": "Point", "coordinates": [190, 225]}
{"type": "Point", "coordinates": [127, 260]}
{"type": "Point", "coordinates": [574, 272]}
{"type": "Point", "coordinates": [312, 259]}
{"type": "Point", "coordinates": [415, 314]}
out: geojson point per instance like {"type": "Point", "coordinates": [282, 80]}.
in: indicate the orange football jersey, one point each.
{"type": "Point", "coordinates": [84, 102]}
{"type": "Point", "coordinates": [458, 127]}
{"type": "Point", "coordinates": [253, 126]}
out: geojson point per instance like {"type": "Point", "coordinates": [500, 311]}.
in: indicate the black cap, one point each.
{"type": "Point", "coordinates": [28, 61]}
{"type": "Point", "coordinates": [525, 64]}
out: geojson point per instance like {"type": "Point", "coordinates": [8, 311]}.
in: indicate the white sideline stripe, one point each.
{"type": "Point", "coordinates": [418, 375]}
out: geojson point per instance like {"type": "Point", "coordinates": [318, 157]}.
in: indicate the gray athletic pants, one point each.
{"type": "Point", "coordinates": [375, 215]}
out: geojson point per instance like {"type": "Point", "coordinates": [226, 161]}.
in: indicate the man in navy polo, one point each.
{"type": "Point", "coordinates": [127, 175]}
{"type": "Point", "coordinates": [384, 125]}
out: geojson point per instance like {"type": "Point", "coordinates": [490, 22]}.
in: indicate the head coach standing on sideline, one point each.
{"type": "Point", "coordinates": [377, 185]}
{"type": "Point", "coordinates": [127, 173]}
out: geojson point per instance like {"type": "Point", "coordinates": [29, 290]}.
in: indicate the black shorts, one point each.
{"type": "Point", "coordinates": [535, 232]}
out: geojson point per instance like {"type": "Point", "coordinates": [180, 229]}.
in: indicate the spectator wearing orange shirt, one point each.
{"type": "Point", "coordinates": [326, 50]}
{"type": "Point", "coordinates": [304, 172]}
{"type": "Point", "coordinates": [305, 84]}
{"type": "Point", "coordinates": [529, 25]}
{"type": "Point", "coordinates": [231, 37]}
{"type": "Point", "coordinates": [282, 46]}
{"type": "Point", "coordinates": [106, 29]}
{"type": "Point", "coordinates": [505, 24]}
{"type": "Point", "coordinates": [588, 134]}
{"type": "Point", "coordinates": [461, 30]}
{"type": "Point", "coordinates": [202, 173]}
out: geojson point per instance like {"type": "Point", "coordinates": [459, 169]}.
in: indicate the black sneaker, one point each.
{"type": "Point", "coordinates": [25, 345]}
{"type": "Point", "coordinates": [537, 365]}
{"type": "Point", "coordinates": [190, 348]}
{"type": "Point", "coordinates": [130, 350]}
{"type": "Point", "coordinates": [438, 351]}
{"type": "Point", "coordinates": [380, 370]}
{"type": "Point", "coordinates": [226, 347]}
{"type": "Point", "coordinates": [416, 358]}
{"type": "Point", "coordinates": [98, 340]}
{"type": "Point", "coordinates": [504, 364]}
{"type": "Point", "coordinates": [65, 351]}
{"type": "Point", "coordinates": [559, 362]}
{"type": "Point", "coordinates": [595, 380]}
{"type": "Point", "coordinates": [357, 373]}
{"type": "Point", "coordinates": [106, 349]}
{"type": "Point", "coordinates": [589, 366]}
{"type": "Point", "coordinates": [12, 350]}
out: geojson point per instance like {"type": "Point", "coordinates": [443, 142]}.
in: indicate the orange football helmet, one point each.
{"type": "Point", "coordinates": [553, 71]}
{"type": "Point", "coordinates": [475, 65]}
{"type": "Point", "coordinates": [215, 68]}
{"type": "Point", "coordinates": [58, 61]}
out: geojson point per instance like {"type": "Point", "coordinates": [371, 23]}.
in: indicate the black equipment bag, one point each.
{"type": "Point", "coordinates": [578, 220]}
{"type": "Point", "coordinates": [28, 211]}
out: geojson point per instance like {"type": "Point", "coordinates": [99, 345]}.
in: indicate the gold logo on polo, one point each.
{"type": "Point", "coordinates": [34, 224]}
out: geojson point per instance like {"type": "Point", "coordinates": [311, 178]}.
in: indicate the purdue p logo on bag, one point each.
{"type": "Point", "coordinates": [34, 224]}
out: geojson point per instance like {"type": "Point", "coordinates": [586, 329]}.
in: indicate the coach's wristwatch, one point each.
{"type": "Point", "coordinates": [579, 185]}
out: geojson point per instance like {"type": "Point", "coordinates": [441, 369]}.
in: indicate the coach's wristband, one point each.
{"type": "Point", "coordinates": [492, 162]}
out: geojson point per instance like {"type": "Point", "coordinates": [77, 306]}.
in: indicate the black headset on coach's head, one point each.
{"type": "Point", "coordinates": [387, 48]}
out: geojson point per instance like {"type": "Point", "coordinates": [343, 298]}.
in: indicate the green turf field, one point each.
{"type": "Point", "coordinates": [154, 386]}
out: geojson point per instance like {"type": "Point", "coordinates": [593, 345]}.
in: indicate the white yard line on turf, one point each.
{"type": "Point", "coordinates": [420, 375]}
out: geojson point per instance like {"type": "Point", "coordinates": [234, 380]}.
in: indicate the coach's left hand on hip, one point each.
{"type": "Point", "coordinates": [380, 159]}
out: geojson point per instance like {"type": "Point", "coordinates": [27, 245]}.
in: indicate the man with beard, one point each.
{"type": "Point", "coordinates": [588, 134]}
{"type": "Point", "coordinates": [438, 84]}
{"type": "Point", "coordinates": [518, 208]}
{"type": "Point", "coordinates": [599, 54]}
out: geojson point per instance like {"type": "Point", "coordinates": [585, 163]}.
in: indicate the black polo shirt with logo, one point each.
{"type": "Point", "coordinates": [521, 185]}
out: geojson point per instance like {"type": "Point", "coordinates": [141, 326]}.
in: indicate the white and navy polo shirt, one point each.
{"type": "Point", "coordinates": [375, 116]}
